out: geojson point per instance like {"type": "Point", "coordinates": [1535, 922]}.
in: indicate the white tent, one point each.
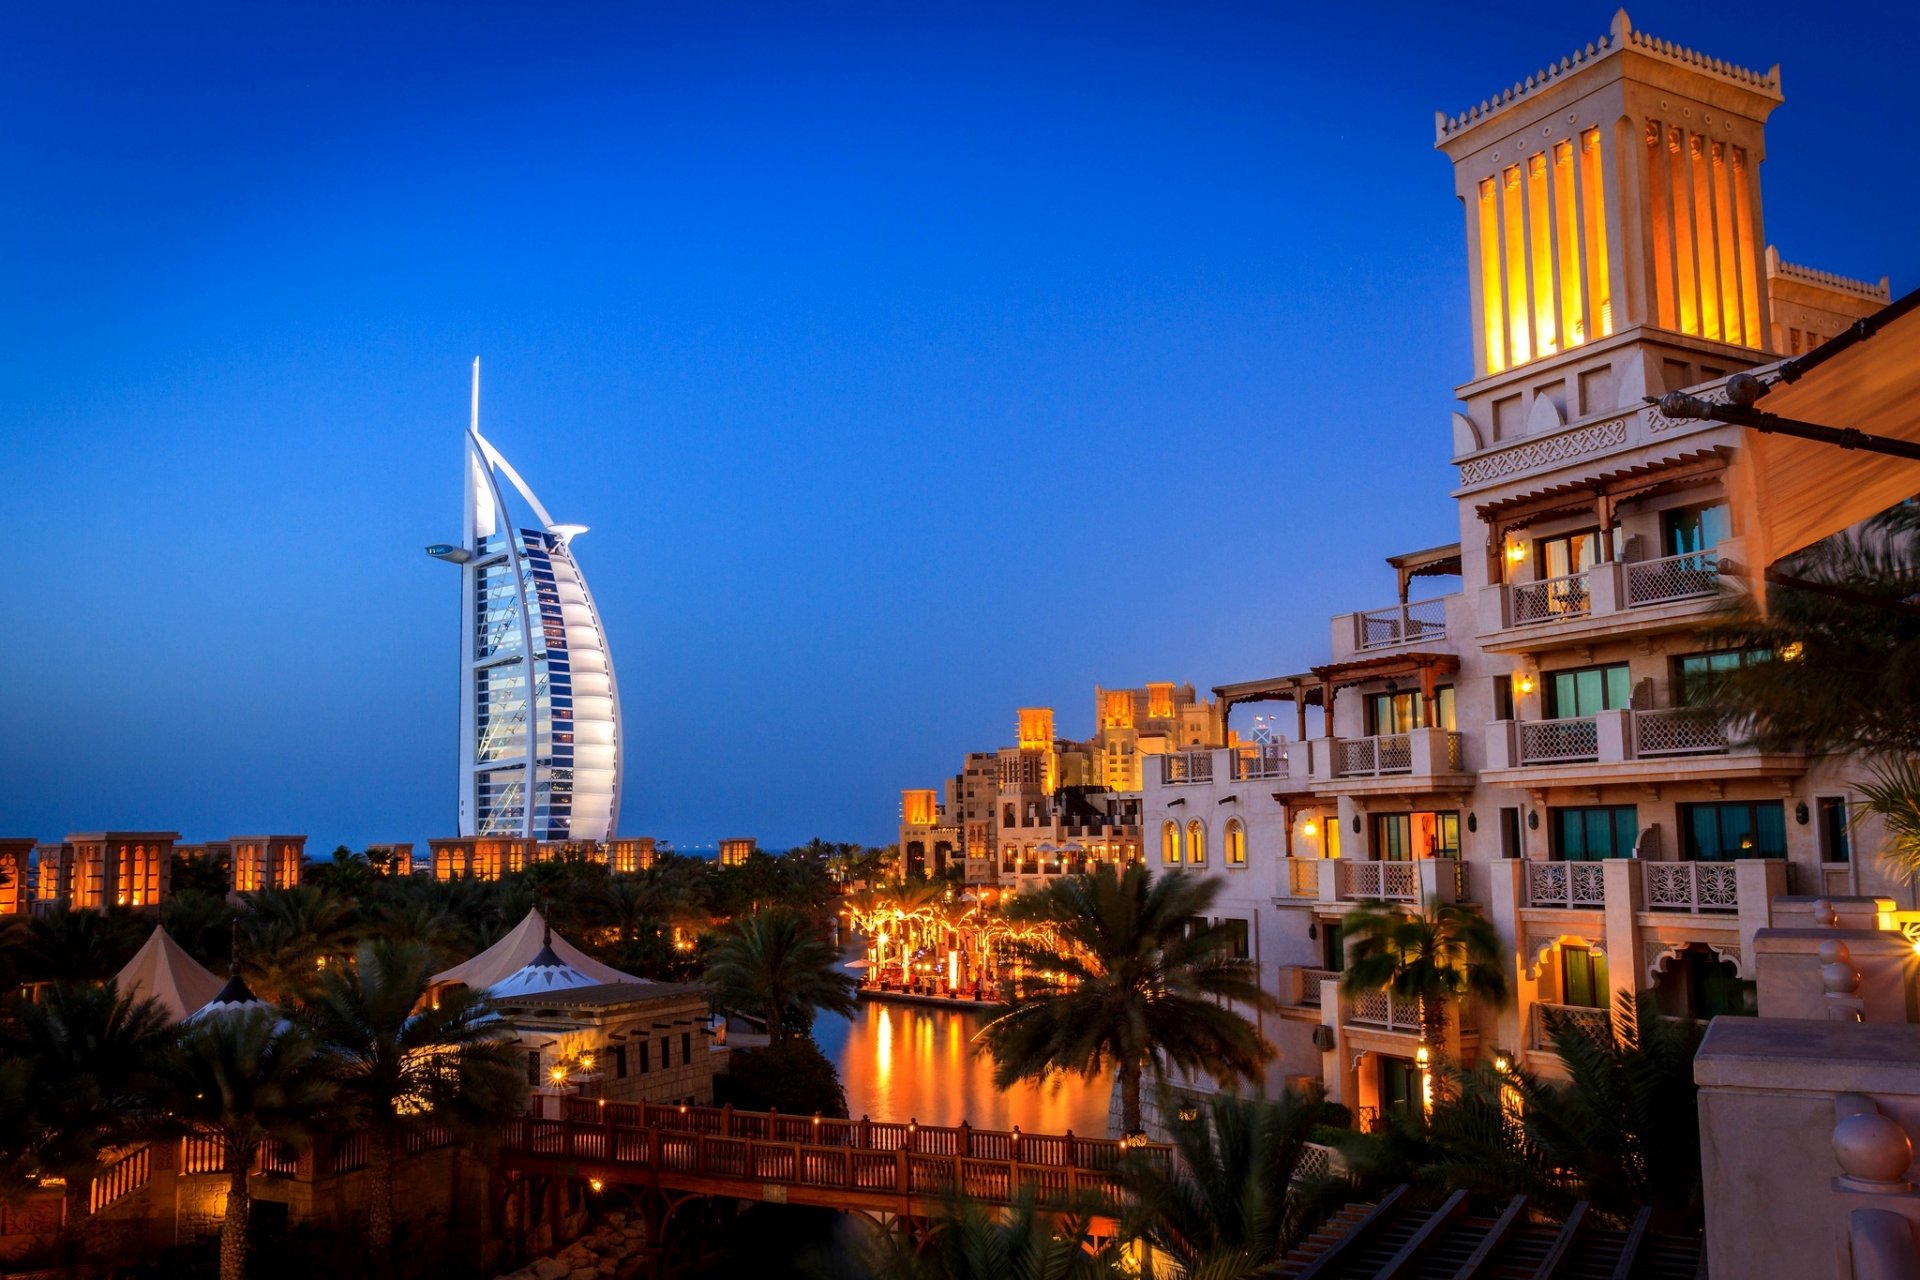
{"type": "Point", "coordinates": [163, 971]}
{"type": "Point", "coordinates": [547, 972]}
{"type": "Point", "coordinates": [517, 950]}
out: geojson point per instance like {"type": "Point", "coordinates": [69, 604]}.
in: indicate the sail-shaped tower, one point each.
{"type": "Point", "coordinates": [539, 709]}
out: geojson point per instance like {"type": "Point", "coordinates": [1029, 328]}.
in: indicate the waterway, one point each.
{"type": "Point", "coordinates": [918, 1062]}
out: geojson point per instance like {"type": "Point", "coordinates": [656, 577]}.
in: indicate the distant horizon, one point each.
{"type": "Point", "coordinates": [909, 365]}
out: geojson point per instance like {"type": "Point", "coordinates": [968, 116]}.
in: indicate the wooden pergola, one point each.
{"type": "Point", "coordinates": [1599, 495]}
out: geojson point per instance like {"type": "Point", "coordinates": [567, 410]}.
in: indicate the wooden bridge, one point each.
{"type": "Point", "coordinates": [885, 1169]}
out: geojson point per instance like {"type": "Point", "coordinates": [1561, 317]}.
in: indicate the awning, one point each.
{"type": "Point", "coordinates": [1423, 667]}
{"type": "Point", "coordinates": [1789, 492]}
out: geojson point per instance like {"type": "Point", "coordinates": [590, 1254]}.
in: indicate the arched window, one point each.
{"type": "Point", "coordinates": [1170, 844]}
{"type": "Point", "coordinates": [1236, 843]}
{"type": "Point", "coordinates": [1196, 842]}
{"type": "Point", "coordinates": [1008, 820]}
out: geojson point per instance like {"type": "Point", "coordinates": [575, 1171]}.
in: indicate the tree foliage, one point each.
{"type": "Point", "coordinates": [1141, 982]}
{"type": "Point", "coordinates": [776, 964]}
{"type": "Point", "coordinates": [1434, 957]}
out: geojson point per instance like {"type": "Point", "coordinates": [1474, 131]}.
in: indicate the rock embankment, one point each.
{"type": "Point", "coordinates": [613, 1250]}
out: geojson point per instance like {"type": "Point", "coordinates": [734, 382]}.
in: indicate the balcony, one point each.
{"type": "Point", "coordinates": [1570, 885]}
{"type": "Point", "coordinates": [1610, 745]}
{"type": "Point", "coordinates": [1373, 633]}
{"type": "Point", "coordinates": [1303, 876]}
{"type": "Point", "coordinates": [1548, 600]}
{"type": "Point", "coordinates": [1693, 887]}
{"type": "Point", "coordinates": [1605, 598]}
{"type": "Point", "coordinates": [1386, 881]}
{"type": "Point", "coordinates": [1263, 760]}
{"type": "Point", "coordinates": [1185, 768]}
{"type": "Point", "coordinates": [1419, 622]}
{"type": "Point", "coordinates": [1337, 882]}
{"type": "Point", "coordinates": [1545, 1019]}
{"type": "Point", "coordinates": [1437, 757]}
{"type": "Point", "coordinates": [1300, 986]}
{"type": "Point", "coordinates": [1383, 1010]}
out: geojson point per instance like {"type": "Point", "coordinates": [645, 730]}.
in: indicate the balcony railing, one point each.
{"type": "Point", "coordinates": [1383, 1009]}
{"type": "Point", "coordinates": [1389, 881]}
{"type": "Point", "coordinates": [1691, 886]}
{"type": "Point", "coordinates": [1268, 760]}
{"type": "Point", "coordinates": [1179, 768]}
{"type": "Point", "coordinates": [1677, 731]}
{"type": "Point", "coordinates": [1557, 741]}
{"type": "Point", "coordinates": [1566, 884]}
{"type": "Point", "coordinates": [1310, 980]}
{"type": "Point", "coordinates": [1681, 577]}
{"type": "Point", "coordinates": [1549, 598]}
{"type": "Point", "coordinates": [1388, 753]}
{"type": "Point", "coordinates": [1400, 624]}
{"type": "Point", "coordinates": [1303, 877]}
{"type": "Point", "coordinates": [1548, 1019]}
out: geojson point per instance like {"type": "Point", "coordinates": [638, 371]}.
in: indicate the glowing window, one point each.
{"type": "Point", "coordinates": [1236, 843]}
{"type": "Point", "coordinates": [1170, 844]}
{"type": "Point", "coordinates": [1196, 842]}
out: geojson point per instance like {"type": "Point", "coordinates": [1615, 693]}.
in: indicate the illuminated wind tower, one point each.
{"type": "Point", "coordinates": [539, 710]}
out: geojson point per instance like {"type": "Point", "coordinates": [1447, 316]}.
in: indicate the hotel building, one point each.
{"type": "Point", "coordinates": [539, 710]}
{"type": "Point", "coordinates": [1047, 805]}
{"type": "Point", "coordinates": [1526, 742]}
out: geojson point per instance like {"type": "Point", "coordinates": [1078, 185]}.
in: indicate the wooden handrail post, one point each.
{"type": "Point", "coordinates": [866, 1132]}
{"type": "Point", "coordinates": [726, 1120]}
{"type": "Point", "coordinates": [966, 1138]}
{"type": "Point", "coordinates": [900, 1182]}
{"type": "Point", "coordinates": [1070, 1160]}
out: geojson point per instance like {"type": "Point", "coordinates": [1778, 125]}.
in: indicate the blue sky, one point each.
{"type": "Point", "coordinates": [911, 363]}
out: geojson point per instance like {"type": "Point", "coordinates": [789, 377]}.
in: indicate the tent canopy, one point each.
{"type": "Point", "coordinates": [1794, 492]}
{"type": "Point", "coordinates": [517, 950]}
{"type": "Point", "coordinates": [163, 971]}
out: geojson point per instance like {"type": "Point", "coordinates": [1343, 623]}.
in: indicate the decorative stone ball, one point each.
{"type": "Point", "coordinates": [1835, 953]}
{"type": "Point", "coordinates": [1839, 979]}
{"type": "Point", "coordinates": [1823, 912]}
{"type": "Point", "coordinates": [1871, 1147]}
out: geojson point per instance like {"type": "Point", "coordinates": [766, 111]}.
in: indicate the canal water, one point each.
{"type": "Point", "coordinates": [920, 1062]}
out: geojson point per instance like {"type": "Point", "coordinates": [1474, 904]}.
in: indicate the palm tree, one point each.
{"type": "Point", "coordinates": [290, 935]}
{"type": "Point", "coordinates": [90, 1052]}
{"type": "Point", "coordinates": [971, 1241]}
{"type": "Point", "coordinates": [1625, 1124]}
{"type": "Point", "coordinates": [1433, 957]}
{"type": "Point", "coordinates": [421, 921]}
{"type": "Point", "coordinates": [398, 1059]}
{"type": "Point", "coordinates": [65, 945]}
{"type": "Point", "coordinates": [1833, 665]}
{"type": "Point", "coordinates": [246, 1077]}
{"type": "Point", "coordinates": [1229, 1206]}
{"type": "Point", "coordinates": [775, 963]}
{"type": "Point", "coordinates": [1137, 981]}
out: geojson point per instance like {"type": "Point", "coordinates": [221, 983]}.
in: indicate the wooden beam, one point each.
{"type": "Point", "coordinates": [1496, 1236]}
{"type": "Point", "coordinates": [1451, 1208]}
{"type": "Point", "coordinates": [1344, 1247]}
{"type": "Point", "coordinates": [1563, 1246]}
{"type": "Point", "coordinates": [1636, 1237]}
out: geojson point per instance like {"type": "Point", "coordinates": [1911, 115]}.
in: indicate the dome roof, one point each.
{"type": "Point", "coordinates": [545, 972]}
{"type": "Point", "coordinates": [235, 997]}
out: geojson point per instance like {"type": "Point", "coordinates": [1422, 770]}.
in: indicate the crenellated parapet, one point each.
{"type": "Point", "coordinates": [1621, 36]}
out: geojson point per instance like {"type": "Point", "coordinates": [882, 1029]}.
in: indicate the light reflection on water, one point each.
{"type": "Point", "coordinates": [916, 1062]}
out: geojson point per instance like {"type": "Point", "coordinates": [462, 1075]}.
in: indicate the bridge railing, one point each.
{"type": "Point", "coordinates": [1059, 1149]}
{"type": "Point", "coordinates": [847, 1155]}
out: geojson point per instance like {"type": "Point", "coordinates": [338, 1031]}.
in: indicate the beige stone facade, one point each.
{"type": "Point", "coordinates": [1046, 805]}
{"type": "Point", "coordinates": [1525, 741]}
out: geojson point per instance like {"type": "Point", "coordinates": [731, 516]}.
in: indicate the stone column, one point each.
{"type": "Point", "coordinates": [1626, 898]}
